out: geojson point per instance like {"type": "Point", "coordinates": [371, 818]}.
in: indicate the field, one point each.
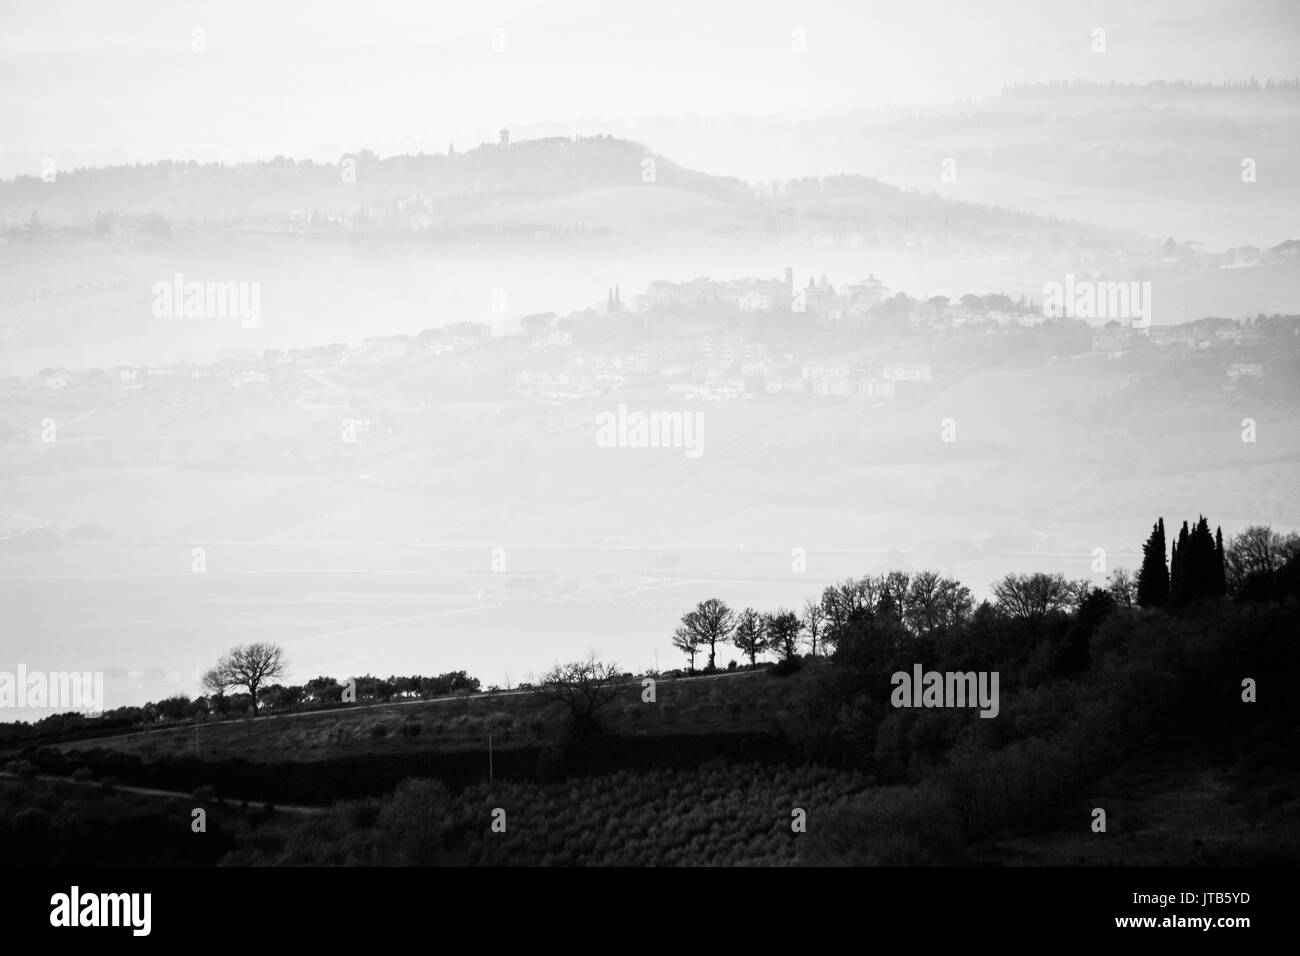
{"type": "Point", "coordinates": [747, 702]}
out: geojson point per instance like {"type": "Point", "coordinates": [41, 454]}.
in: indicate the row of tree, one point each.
{"type": "Point", "coordinates": [1200, 565]}
{"type": "Point", "coordinates": [1258, 563]}
{"type": "Point", "coordinates": [923, 603]}
{"type": "Point", "coordinates": [252, 666]}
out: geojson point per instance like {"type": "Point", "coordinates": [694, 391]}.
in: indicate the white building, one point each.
{"type": "Point", "coordinates": [907, 372]}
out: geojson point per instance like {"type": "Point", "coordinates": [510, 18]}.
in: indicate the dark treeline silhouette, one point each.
{"type": "Point", "coordinates": [1091, 681]}
{"type": "Point", "coordinates": [319, 693]}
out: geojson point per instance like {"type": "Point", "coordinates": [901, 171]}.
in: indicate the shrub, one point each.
{"type": "Point", "coordinates": [894, 826]}
{"type": "Point", "coordinates": [413, 821]}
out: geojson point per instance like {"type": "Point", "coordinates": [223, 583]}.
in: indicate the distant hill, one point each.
{"type": "Point", "coordinates": [572, 185]}
{"type": "Point", "coordinates": [273, 190]}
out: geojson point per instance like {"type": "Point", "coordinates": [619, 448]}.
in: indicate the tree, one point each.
{"type": "Point", "coordinates": [749, 637]}
{"type": "Point", "coordinates": [687, 641]}
{"type": "Point", "coordinates": [840, 602]}
{"type": "Point", "coordinates": [251, 665]}
{"type": "Point", "coordinates": [414, 821]}
{"type": "Point", "coordinates": [782, 629]}
{"type": "Point", "coordinates": [893, 594]}
{"type": "Point", "coordinates": [173, 708]}
{"type": "Point", "coordinates": [538, 322]}
{"type": "Point", "coordinates": [1257, 550]}
{"type": "Point", "coordinates": [1153, 577]}
{"type": "Point", "coordinates": [711, 621]}
{"type": "Point", "coordinates": [324, 690]}
{"type": "Point", "coordinates": [1122, 588]}
{"type": "Point", "coordinates": [934, 601]}
{"type": "Point", "coordinates": [215, 684]}
{"type": "Point", "coordinates": [584, 688]}
{"type": "Point", "coordinates": [1078, 591]}
{"type": "Point", "coordinates": [1220, 566]}
{"type": "Point", "coordinates": [1193, 565]}
{"type": "Point", "coordinates": [1031, 597]}
{"type": "Point", "coordinates": [814, 620]}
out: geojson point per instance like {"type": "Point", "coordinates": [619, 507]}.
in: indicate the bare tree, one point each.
{"type": "Point", "coordinates": [782, 629]}
{"type": "Point", "coordinates": [1031, 597]}
{"type": "Point", "coordinates": [711, 621]}
{"type": "Point", "coordinates": [687, 641]}
{"type": "Point", "coordinates": [934, 601]}
{"type": "Point", "coordinates": [1122, 587]}
{"type": "Point", "coordinates": [215, 683]}
{"type": "Point", "coordinates": [814, 621]}
{"type": "Point", "coordinates": [1256, 550]}
{"type": "Point", "coordinates": [893, 592]}
{"type": "Point", "coordinates": [584, 688]}
{"type": "Point", "coordinates": [749, 636]}
{"type": "Point", "coordinates": [252, 665]}
{"type": "Point", "coordinates": [1077, 592]}
{"type": "Point", "coordinates": [841, 601]}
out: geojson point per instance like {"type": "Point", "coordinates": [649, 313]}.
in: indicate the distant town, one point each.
{"type": "Point", "coordinates": [706, 340]}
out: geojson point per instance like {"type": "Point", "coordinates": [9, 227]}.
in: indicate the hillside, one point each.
{"type": "Point", "coordinates": [588, 186]}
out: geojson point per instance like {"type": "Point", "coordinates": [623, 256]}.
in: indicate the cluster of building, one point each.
{"type": "Point", "coordinates": [273, 364]}
{"type": "Point", "coordinates": [719, 369]}
{"type": "Point", "coordinates": [819, 296]}
{"type": "Point", "coordinates": [840, 380]}
{"type": "Point", "coordinates": [1118, 341]}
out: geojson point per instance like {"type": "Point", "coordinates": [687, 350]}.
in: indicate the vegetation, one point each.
{"type": "Point", "coordinates": [1093, 681]}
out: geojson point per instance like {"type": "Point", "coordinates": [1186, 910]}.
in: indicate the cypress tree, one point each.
{"type": "Point", "coordinates": [1153, 577]}
{"type": "Point", "coordinates": [1204, 574]}
{"type": "Point", "coordinates": [1174, 575]}
{"type": "Point", "coordinates": [1220, 569]}
{"type": "Point", "coordinates": [1180, 568]}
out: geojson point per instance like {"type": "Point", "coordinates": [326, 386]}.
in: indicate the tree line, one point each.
{"type": "Point", "coordinates": [1257, 564]}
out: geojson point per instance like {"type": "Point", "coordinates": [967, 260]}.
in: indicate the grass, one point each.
{"type": "Point", "coordinates": [745, 702]}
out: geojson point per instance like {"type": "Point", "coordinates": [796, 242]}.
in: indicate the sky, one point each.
{"type": "Point", "coordinates": [131, 80]}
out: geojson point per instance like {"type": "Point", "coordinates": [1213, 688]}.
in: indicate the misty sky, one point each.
{"type": "Point", "coordinates": [119, 77]}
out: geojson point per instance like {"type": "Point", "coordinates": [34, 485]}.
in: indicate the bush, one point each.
{"type": "Point", "coordinates": [414, 821]}
{"type": "Point", "coordinates": [785, 667]}
{"type": "Point", "coordinates": [893, 826]}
